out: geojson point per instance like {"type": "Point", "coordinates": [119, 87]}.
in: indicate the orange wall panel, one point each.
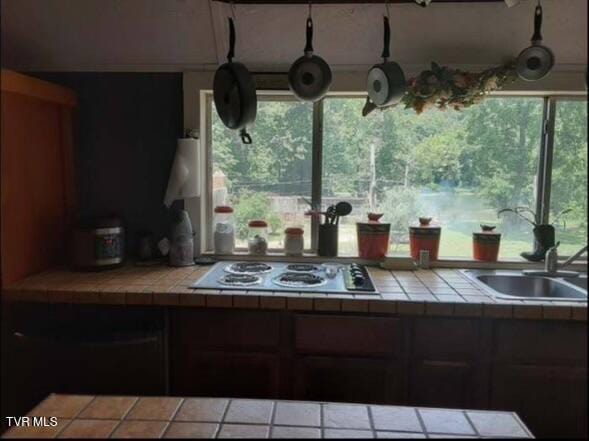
{"type": "Point", "coordinates": [37, 184]}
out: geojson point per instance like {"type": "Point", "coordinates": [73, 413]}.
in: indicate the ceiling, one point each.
{"type": "Point", "coordinates": [180, 35]}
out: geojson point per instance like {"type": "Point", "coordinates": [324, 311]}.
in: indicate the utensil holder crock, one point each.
{"type": "Point", "coordinates": [328, 236]}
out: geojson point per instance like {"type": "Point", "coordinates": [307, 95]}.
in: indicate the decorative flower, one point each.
{"type": "Point", "coordinates": [443, 87]}
{"type": "Point", "coordinates": [460, 80]}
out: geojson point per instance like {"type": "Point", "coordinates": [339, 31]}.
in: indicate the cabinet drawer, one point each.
{"type": "Point", "coordinates": [341, 335]}
{"type": "Point", "coordinates": [446, 339]}
{"type": "Point", "coordinates": [540, 342]}
{"type": "Point", "coordinates": [221, 330]}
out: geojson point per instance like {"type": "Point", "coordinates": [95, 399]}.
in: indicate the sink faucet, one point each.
{"type": "Point", "coordinates": [573, 257]}
{"type": "Point", "coordinates": [551, 266]}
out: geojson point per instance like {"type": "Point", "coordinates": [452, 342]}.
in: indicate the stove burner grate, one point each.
{"type": "Point", "coordinates": [302, 268]}
{"type": "Point", "coordinates": [240, 280]}
{"type": "Point", "coordinates": [299, 280]}
{"type": "Point", "coordinates": [248, 268]}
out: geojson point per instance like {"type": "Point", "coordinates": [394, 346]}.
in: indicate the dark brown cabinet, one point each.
{"type": "Point", "coordinates": [437, 383]}
{"type": "Point", "coordinates": [348, 379]}
{"type": "Point", "coordinates": [446, 368]}
{"type": "Point", "coordinates": [540, 372]}
{"type": "Point", "coordinates": [225, 353]}
{"type": "Point", "coordinates": [348, 358]}
{"type": "Point", "coordinates": [80, 349]}
{"type": "Point", "coordinates": [379, 337]}
{"type": "Point", "coordinates": [551, 400]}
{"type": "Point", "coordinates": [218, 374]}
{"type": "Point", "coordinates": [535, 368]}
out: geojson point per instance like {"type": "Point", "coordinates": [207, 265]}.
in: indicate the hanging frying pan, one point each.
{"type": "Point", "coordinates": [386, 81]}
{"type": "Point", "coordinates": [309, 76]}
{"type": "Point", "coordinates": [234, 92]}
{"type": "Point", "coordinates": [534, 62]}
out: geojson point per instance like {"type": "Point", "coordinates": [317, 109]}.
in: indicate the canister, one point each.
{"type": "Point", "coordinates": [294, 241]}
{"type": "Point", "coordinates": [224, 235]}
{"type": "Point", "coordinates": [425, 236]}
{"type": "Point", "coordinates": [373, 237]}
{"type": "Point", "coordinates": [485, 244]}
{"type": "Point", "coordinates": [257, 241]}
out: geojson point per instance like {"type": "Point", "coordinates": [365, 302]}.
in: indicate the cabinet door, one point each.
{"type": "Point", "coordinates": [552, 401]}
{"type": "Point", "coordinates": [445, 364]}
{"type": "Point", "coordinates": [30, 372]}
{"type": "Point", "coordinates": [348, 379]}
{"type": "Point", "coordinates": [218, 374]}
{"type": "Point", "coordinates": [117, 364]}
{"type": "Point", "coordinates": [442, 384]}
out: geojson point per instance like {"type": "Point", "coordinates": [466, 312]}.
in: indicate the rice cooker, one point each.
{"type": "Point", "coordinates": [98, 243]}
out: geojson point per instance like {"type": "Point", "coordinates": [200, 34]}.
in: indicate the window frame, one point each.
{"type": "Point", "coordinates": [543, 175]}
{"type": "Point", "coordinates": [549, 132]}
{"type": "Point", "coordinates": [207, 207]}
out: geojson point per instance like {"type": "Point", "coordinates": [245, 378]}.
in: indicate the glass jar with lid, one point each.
{"type": "Point", "coordinates": [257, 241]}
{"type": "Point", "coordinates": [294, 241]}
{"type": "Point", "coordinates": [224, 230]}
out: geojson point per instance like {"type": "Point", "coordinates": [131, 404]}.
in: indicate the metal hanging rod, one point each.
{"type": "Point", "coordinates": [336, 2]}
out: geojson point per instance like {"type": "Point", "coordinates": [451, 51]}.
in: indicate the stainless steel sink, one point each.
{"type": "Point", "coordinates": [581, 282]}
{"type": "Point", "coordinates": [515, 285]}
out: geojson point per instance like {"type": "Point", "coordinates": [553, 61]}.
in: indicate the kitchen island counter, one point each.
{"type": "Point", "coordinates": [84, 416]}
{"type": "Point", "coordinates": [435, 292]}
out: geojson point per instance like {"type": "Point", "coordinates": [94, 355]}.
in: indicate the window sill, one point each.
{"type": "Point", "coordinates": [394, 262]}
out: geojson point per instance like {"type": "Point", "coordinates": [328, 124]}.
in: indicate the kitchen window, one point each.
{"type": "Point", "coordinates": [271, 178]}
{"type": "Point", "coordinates": [568, 189]}
{"type": "Point", "coordinates": [458, 167]}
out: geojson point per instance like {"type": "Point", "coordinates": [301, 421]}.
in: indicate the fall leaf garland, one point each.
{"type": "Point", "coordinates": [444, 88]}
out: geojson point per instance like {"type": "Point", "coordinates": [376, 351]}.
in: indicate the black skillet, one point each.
{"type": "Point", "coordinates": [309, 76]}
{"type": "Point", "coordinates": [534, 62]}
{"type": "Point", "coordinates": [386, 81]}
{"type": "Point", "coordinates": [234, 92]}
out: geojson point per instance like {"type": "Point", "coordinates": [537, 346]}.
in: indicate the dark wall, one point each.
{"type": "Point", "coordinates": [126, 130]}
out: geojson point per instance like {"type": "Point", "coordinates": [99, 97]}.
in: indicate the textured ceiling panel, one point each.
{"type": "Point", "coordinates": [191, 34]}
{"type": "Point", "coordinates": [90, 33]}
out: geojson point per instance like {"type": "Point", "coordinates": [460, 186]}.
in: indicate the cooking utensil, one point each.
{"type": "Point", "coordinates": [234, 92]}
{"type": "Point", "coordinates": [342, 209]}
{"type": "Point", "coordinates": [309, 77]}
{"type": "Point", "coordinates": [534, 62]}
{"type": "Point", "coordinates": [330, 214]}
{"type": "Point", "coordinates": [386, 81]}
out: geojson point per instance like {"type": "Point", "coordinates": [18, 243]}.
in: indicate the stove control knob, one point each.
{"type": "Point", "coordinates": [358, 279]}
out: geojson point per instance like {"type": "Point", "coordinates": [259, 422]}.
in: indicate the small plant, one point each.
{"type": "Point", "coordinates": [525, 212]}
{"type": "Point", "coordinates": [519, 211]}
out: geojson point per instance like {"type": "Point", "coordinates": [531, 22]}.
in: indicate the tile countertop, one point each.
{"type": "Point", "coordinates": [436, 292]}
{"type": "Point", "coordinates": [83, 416]}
